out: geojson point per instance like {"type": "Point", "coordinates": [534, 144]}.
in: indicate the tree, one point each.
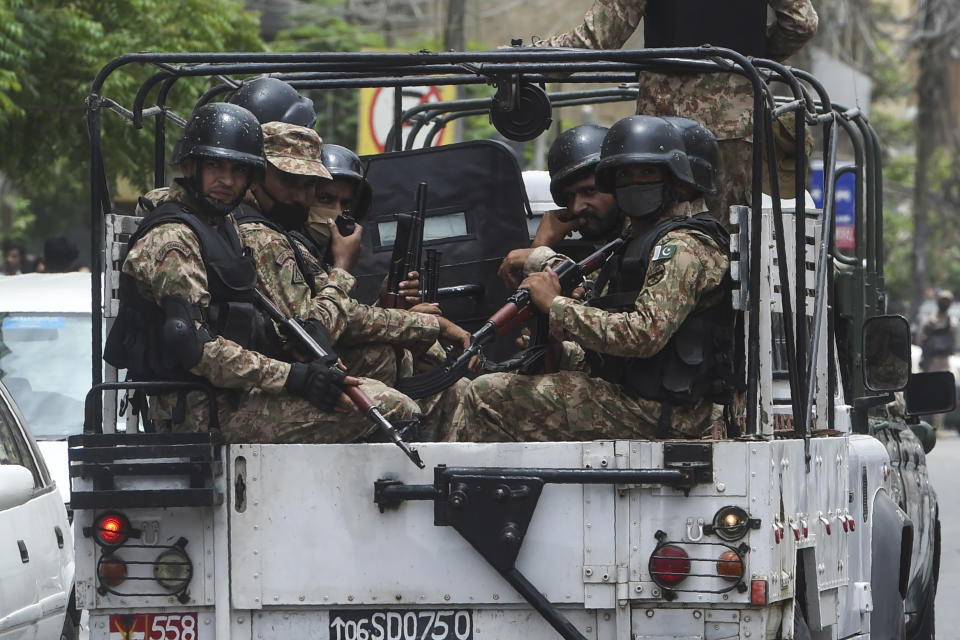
{"type": "Point", "coordinates": [50, 52]}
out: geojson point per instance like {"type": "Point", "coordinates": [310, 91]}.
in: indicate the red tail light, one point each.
{"type": "Point", "coordinates": [112, 529]}
{"type": "Point", "coordinates": [730, 566]}
{"type": "Point", "coordinates": [758, 592]}
{"type": "Point", "coordinates": [112, 570]}
{"type": "Point", "coordinates": [669, 565]}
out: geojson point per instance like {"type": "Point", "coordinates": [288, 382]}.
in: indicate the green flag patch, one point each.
{"type": "Point", "coordinates": [664, 252]}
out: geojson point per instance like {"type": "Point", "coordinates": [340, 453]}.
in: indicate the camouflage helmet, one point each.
{"type": "Point", "coordinates": [273, 100]}
{"type": "Point", "coordinates": [222, 130]}
{"type": "Point", "coordinates": [642, 140]}
{"type": "Point", "coordinates": [344, 164]}
{"type": "Point", "coordinates": [572, 156]}
{"type": "Point", "coordinates": [294, 149]}
{"type": "Point", "coordinates": [702, 151]}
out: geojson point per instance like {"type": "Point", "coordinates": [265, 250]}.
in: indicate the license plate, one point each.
{"type": "Point", "coordinates": [401, 624]}
{"type": "Point", "coordinates": [154, 626]}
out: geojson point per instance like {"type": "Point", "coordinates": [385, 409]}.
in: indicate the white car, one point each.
{"type": "Point", "coordinates": [36, 541]}
{"type": "Point", "coordinates": [45, 358]}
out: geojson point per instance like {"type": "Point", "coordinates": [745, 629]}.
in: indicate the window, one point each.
{"type": "Point", "coordinates": [442, 227]}
{"type": "Point", "coordinates": [14, 448]}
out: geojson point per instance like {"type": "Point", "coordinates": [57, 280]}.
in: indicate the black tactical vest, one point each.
{"type": "Point", "coordinates": [245, 214]}
{"type": "Point", "coordinates": [697, 360]}
{"type": "Point", "coordinates": [136, 340]}
{"type": "Point", "coordinates": [740, 25]}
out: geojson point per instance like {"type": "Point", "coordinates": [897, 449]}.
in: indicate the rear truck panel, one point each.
{"type": "Point", "coordinates": [298, 543]}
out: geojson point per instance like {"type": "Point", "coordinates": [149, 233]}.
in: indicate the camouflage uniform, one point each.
{"type": "Point", "coordinates": [372, 340]}
{"type": "Point", "coordinates": [572, 405]}
{"type": "Point", "coordinates": [167, 261]}
{"type": "Point", "coordinates": [723, 102]}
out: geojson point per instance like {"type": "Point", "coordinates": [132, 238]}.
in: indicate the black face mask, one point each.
{"type": "Point", "coordinates": [289, 215]}
{"type": "Point", "coordinates": [641, 199]}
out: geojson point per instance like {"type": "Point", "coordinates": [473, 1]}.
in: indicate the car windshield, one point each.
{"type": "Point", "coordinates": [45, 364]}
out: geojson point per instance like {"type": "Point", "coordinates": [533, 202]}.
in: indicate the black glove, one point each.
{"type": "Point", "coordinates": [320, 382]}
{"type": "Point", "coordinates": [318, 331]}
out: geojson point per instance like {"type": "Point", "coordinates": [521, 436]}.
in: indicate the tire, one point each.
{"type": "Point", "coordinates": [927, 628]}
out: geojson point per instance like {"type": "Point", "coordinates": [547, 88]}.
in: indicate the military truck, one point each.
{"type": "Point", "coordinates": [811, 517]}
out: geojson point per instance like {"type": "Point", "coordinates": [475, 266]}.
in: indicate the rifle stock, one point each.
{"type": "Point", "coordinates": [356, 394]}
{"type": "Point", "coordinates": [516, 310]}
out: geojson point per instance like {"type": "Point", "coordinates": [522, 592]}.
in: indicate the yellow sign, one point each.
{"type": "Point", "coordinates": [376, 116]}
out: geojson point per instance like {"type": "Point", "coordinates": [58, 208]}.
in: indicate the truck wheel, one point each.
{"type": "Point", "coordinates": [927, 628]}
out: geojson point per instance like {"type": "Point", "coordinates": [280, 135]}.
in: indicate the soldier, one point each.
{"type": "Point", "coordinates": [371, 335]}
{"type": "Point", "coordinates": [723, 102]}
{"type": "Point", "coordinates": [657, 342]}
{"type": "Point", "coordinates": [571, 162]}
{"type": "Point", "coordinates": [185, 313]}
{"type": "Point", "coordinates": [938, 337]}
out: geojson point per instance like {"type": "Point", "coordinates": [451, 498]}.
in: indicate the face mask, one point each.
{"type": "Point", "coordinates": [318, 225]}
{"type": "Point", "coordinates": [640, 200]}
{"type": "Point", "coordinates": [289, 215]}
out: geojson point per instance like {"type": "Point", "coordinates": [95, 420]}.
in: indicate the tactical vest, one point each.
{"type": "Point", "coordinates": [136, 341]}
{"type": "Point", "coordinates": [696, 362]}
{"type": "Point", "coordinates": [245, 214]}
{"type": "Point", "coordinates": [740, 25]}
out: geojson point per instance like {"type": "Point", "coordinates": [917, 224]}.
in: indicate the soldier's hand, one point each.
{"type": "Point", "coordinates": [454, 335]}
{"type": "Point", "coordinates": [430, 308]}
{"type": "Point", "coordinates": [345, 249]}
{"type": "Point", "coordinates": [543, 286]}
{"type": "Point", "coordinates": [578, 293]}
{"type": "Point", "coordinates": [556, 225]}
{"type": "Point", "coordinates": [408, 290]}
{"type": "Point", "coordinates": [511, 269]}
{"type": "Point", "coordinates": [344, 403]}
{"type": "Point", "coordinates": [523, 340]}
{"type": "Point", "coordinates": [321, 382]}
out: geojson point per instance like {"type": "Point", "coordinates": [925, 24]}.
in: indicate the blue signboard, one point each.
{"type": "Point", "coordinates": [845, 210]}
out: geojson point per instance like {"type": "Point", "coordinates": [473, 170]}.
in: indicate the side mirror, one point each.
{"type": "Point", "coordinates": [931, 392]}
{"type": "Point", "coordinates": [16, 485]}
{"type": "Point", "coordinates": [886, 353]}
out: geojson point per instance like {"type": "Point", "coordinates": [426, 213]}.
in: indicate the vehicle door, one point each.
{"type": "Point", "coordinates": [35, 545]}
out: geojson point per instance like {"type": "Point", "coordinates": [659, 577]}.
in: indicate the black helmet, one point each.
{"type": "Point", "coordinates": [642, 140]}
{"type": "Point", "coordinates": [221, 130]}
{"type": "Point", "coordinates": [344, 164]}
{"type": "Point", "coordinates": [702, 151]}
{"type": "Point", "coordinates": [273, 100]}
{"type": "Point", "coordinates": [572, 155]}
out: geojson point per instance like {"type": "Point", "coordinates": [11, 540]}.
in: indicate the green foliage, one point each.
{"type": "Point", "coordinates": [53, 49]}
{"type": "Point", "coordinates": [318, 31]}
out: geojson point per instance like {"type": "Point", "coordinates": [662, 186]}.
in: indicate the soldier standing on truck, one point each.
{"type": "Point", "coordinates": [666, 294]}
{"type": "Point", "coordinates": [723, 102]}
{"type": "Point", "coordinates": [571, 161]}
{"type": "Point", "coordinates": [371, 335]}
{"type": "Point", "coordinates": [185, 311]}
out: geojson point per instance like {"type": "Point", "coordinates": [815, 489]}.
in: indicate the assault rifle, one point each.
{"type": "Point", "coordinates": [515, 311]}
{"type": "Point", "coordinates": [360, 398]}
{"type": "Point", "coordinates": [407, 248]}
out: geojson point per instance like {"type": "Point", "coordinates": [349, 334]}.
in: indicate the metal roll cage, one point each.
{"type": "Point", "coordinates": [617, 67]}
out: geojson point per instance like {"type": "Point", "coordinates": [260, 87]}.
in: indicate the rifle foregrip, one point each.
{"type": "Point", "coordinates": [359, 397]}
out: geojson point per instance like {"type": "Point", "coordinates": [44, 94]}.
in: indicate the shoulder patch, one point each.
{"type": "Point", "coordinates": [663, 252]}
{"type": "Point", "coordinates": [173, 246]}
{"type": "Point", "coordinates": [655, 274]}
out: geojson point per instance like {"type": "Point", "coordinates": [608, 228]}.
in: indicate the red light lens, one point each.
{"type": "Point", "coordinates": [669, 565]}
{"type": "Point", "coordinates": [730, 566]}
{"type": "Point", "coordinates": [112, 529]}
{"type": "Point", "coordinates": [112, 571]}
{"type": "Point", "coordinates": [758, 592]}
